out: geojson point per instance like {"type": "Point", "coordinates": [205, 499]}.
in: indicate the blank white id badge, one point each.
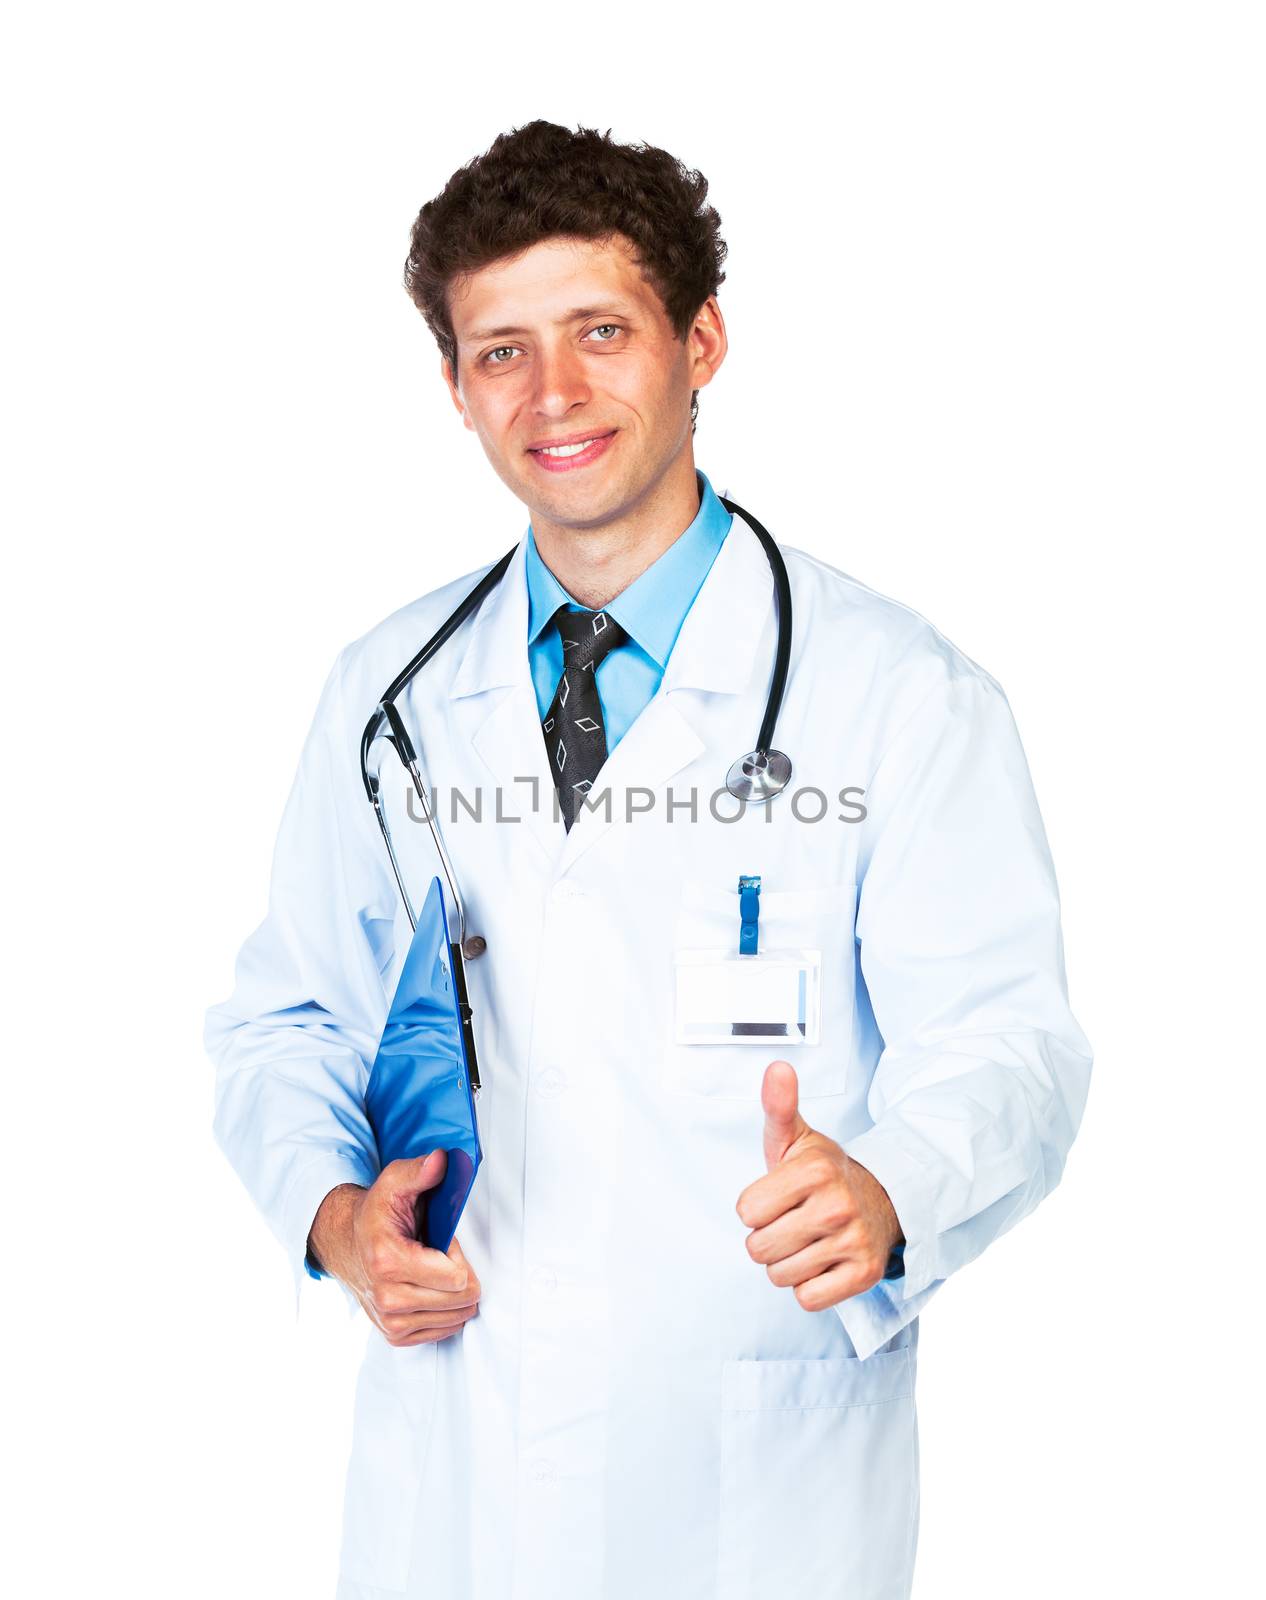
{"type": "Point", "coordinates": [771, 998]}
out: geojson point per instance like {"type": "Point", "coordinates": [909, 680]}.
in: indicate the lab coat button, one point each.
{"type": "Point", "coordinates": [543, 1471]}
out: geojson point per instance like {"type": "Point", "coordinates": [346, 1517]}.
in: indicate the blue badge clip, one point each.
{"type": "Point", "coordinates": [749, 911]}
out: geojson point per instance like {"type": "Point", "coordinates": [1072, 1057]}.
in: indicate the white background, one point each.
{"type": "Point", "coordinates": [994, 298]}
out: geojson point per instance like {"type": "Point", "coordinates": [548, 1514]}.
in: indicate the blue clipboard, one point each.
{"type": "Point", "coordinates": [419, 1096]}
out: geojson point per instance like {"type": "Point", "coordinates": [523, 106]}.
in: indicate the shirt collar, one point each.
{"type": "Point", "coordinates": [654, 606]}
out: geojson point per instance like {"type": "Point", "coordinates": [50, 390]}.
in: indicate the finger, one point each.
{"type": "Point", "coordinates": [458, 1255]}
{"type": "Point", "coordinates": [786, 1185]}
{"type": "Point", "coordinates": [418, 1266]}
{"type": "Point", "coordinates": [794, 1230]}
{"type": "Point", "coordinates": [841, 1282]}
{"type": "Point", "coordinates": [820, 1255]}
{"type": "Point", "coordinates": [402, 1332]}
{"type": "Point", "coordinates": [393, 1257]}
{"type": "Point", "coordinates": [428, 1336]}
{"type": "Point", "coordinates": [448, 1272]}
{"type": "Point", "coordinates": [408, 1299]}
{"type": "Point", "coordinates": [404, 1327]}
{"type": "Point", "coordinates": [780, 1098]}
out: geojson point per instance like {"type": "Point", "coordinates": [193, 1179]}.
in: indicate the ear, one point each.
{"type": "Point", "coordinates": [446, 372]}
{"type": "Point", "coordinates": [706, 343]}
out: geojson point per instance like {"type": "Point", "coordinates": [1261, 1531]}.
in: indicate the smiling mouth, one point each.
{"type": "Point", "coordinates": [565, 454]}
{"type": "Point", "coordinates": [561, 451]}
{"type": "Point", "coordinates": [572, 447]}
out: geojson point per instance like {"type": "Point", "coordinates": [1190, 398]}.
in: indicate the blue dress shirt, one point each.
{"type": "Point", "coordinates": [651, 611]}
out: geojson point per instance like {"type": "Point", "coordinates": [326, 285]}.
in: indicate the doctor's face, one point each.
{"type": "Point", "coordinates": [568, 345]}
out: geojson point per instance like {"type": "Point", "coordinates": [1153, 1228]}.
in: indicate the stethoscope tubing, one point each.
{"type": "Point", "coordinates": [397, 735]}
{"type": "Point", "coordinates": [782, 654]}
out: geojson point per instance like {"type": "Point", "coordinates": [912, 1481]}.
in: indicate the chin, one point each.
{"type": "Point", "coordinates": [566, 502]}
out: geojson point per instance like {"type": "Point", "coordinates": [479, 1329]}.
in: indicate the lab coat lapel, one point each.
{"type": "Point", "coordinates": [495, 706]}
{"type": "Point", "coordinates": [714, 652]}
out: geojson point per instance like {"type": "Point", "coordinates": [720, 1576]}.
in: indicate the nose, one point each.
{"type": "Point", "coordinates": [560, 381]}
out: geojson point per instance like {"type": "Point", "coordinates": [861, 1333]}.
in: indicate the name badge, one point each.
{"type": "Point", "coordinates": [771, 998]}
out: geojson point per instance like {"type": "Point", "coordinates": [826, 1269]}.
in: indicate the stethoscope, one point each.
{"type": "Point", "coordinates": [754, 778]}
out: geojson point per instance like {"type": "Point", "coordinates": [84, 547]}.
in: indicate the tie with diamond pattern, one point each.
{"type": "Point", "coordinates": [575, 734]}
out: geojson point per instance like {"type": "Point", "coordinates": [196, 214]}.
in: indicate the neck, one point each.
{"type": "Point", "coordinates": [594, 564]}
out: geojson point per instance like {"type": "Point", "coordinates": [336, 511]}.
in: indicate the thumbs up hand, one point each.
{"type": "Point", "coordinates": [821, 1224]}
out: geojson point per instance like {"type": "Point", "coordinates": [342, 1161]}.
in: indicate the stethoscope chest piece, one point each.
{"type": "Point", "coordinates": [759, 776]}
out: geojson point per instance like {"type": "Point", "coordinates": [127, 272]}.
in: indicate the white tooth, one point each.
{"type": "Point", "coordinates": [567, 449]}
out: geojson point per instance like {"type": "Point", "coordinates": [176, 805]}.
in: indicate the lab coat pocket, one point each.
{"type": "Point", "coordinates": [819, 1478]}
{"type": "Point", "coordinates": [395, 1398]}
{"type": "Point", "coordinates": [821, 919]}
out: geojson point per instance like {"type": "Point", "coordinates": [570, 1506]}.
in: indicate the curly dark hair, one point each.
{"type": "Point", "coordinates": [541, 181]}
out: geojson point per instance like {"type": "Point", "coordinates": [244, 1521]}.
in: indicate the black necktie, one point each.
{"type": "Point", "coordinates": [575, 734]}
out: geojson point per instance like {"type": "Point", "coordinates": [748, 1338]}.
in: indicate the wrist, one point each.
{"type": "Point", "coordinates": [895, 1264]}
{"type": "Point", "coordinates": [330, 1237]}
{"type": "Point", "coordinates": [886, 1224]}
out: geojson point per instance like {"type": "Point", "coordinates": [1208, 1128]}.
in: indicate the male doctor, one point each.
{"type": "Point", "coordinates": [674, 1350]}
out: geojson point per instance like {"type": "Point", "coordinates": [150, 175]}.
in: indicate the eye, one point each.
{"type": "Point", "coordinates": [614, 328]}
{"type": "Point", "coordinates": [500, 349]}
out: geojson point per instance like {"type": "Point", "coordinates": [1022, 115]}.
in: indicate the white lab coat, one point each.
{"type": "Point", "coordinates": [636, 1409]}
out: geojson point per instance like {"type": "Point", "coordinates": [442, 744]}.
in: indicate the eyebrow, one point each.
{"type": "Point", "coordinates": [577, 315]}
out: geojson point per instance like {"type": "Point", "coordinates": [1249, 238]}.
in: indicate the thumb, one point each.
{"type": "Point", "coordinates": [415, 1174]}
{"type": "Point", "coordinates": [780, 1096]}
{"type": "Point", "coordinates": [458, 1256]}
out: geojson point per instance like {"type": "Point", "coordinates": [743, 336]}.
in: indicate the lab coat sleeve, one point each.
{"type": "Point", "coordinates": [294, 1043]}
{"type": "Point", "coordinates": [982, 1079]}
